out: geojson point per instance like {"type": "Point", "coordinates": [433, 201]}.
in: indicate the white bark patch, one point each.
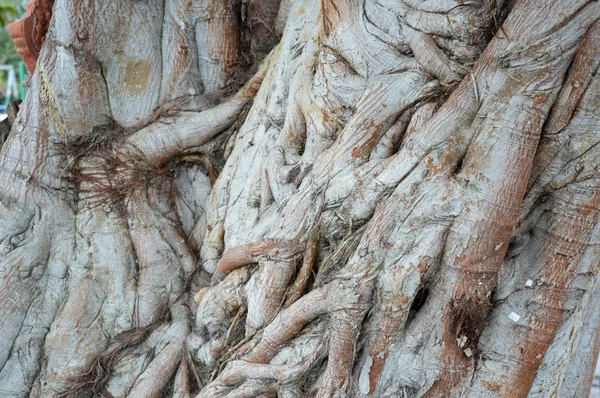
{"type": "Point", "coordinates": [514, 316]}
{"type": "Point", "coordinates": [364, 382]}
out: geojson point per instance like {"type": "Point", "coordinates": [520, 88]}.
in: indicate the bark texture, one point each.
{"type": "Point", "coordinates": [260, 198]}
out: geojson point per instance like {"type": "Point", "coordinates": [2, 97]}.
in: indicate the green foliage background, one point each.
{"type": "Point", "coordinates": [10, 10]}
{"type": "Point", "coordinates": [8, 52]}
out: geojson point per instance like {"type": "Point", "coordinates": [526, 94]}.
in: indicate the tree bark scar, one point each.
{"type": "Point", "coordinates": [29, 33]}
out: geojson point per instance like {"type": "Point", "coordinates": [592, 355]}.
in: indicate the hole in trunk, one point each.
{"type": "Point", "coordinates": [459, 165]}
{"type": "Point", "coordinates": [418, 302]}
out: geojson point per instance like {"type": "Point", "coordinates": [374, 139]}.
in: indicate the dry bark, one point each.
{"type": "Point", "coordinates": [305, 198]}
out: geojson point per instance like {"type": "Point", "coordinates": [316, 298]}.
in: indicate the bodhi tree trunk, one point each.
{"type": "Point", "coordinates": [391, 198]}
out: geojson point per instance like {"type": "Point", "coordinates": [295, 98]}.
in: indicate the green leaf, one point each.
{"type": "Point", "coordinates": [6, 12]}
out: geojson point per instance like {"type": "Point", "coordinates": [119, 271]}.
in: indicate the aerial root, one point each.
{"type": "Point", "coordinates": [98, 374]}
{"type": "Point", "coordinates": [240, 256]}
{"type": "Point", "coordinates": [308, 262]}
{"type": "Point", "coordinates": [432, 59]}
{"type": "Point", "coordinates": [182, 380]}
{"type": "Point", "coordinates": [241, 370]}
{"type": "Point", "coordinates": [165, 261]}
{"type": "Point", "coordinates": [220, 308]}
{"type": "Point", "coordinates": [397, 286]}
{"type": "Point", "coordinates": [156, 144]}
{"type": "Point", "coordinates": [266, 291]}
{"type": "Point", "coordinates": [345, 328]}
{"type": "Point", "coordinates": [160, 370]}
{"type": "Point", "coordinates": [242, 376]}
{"type": "Point", "coordinates": [268, 286]}
{"type": "Point", "coordinates": [420, 116]}
{"type": "Point", "coordinates": [388, 144]}
{"type": "Point", "coordinates": [288, 323]}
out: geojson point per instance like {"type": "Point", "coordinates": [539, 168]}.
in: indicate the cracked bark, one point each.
{"type": "Point", "coordinates": [400, 199]}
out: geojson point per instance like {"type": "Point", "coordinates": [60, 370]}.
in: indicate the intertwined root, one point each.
{"type": "Point", "coordinates": [356, 186]}
{"type": "Point", "coordinates": [388, 272]}
{"type": "Point", "coordinates": [408, 199]}
{"type": "Point", "coordinates": [395, 273]}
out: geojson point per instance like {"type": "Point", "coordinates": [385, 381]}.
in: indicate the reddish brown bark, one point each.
{"type": "Point", "coordinates": [572, 221]}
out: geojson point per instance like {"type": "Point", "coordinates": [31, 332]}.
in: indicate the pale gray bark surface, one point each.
{"type": "Point", "coordinates": [306, 198]}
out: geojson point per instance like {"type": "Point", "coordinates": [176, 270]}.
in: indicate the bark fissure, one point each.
{"type": "Point", "coordinates": [400, 199]}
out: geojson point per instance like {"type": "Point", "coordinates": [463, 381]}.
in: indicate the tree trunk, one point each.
{"type": "Point", "coordinates": [304, 198]}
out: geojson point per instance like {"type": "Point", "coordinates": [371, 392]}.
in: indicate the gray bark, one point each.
{"type": "Point", "coordinates": [305, 198]}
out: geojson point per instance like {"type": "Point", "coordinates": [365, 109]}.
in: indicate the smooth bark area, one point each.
{"type": "Point", "coordinates": [261, 198]}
